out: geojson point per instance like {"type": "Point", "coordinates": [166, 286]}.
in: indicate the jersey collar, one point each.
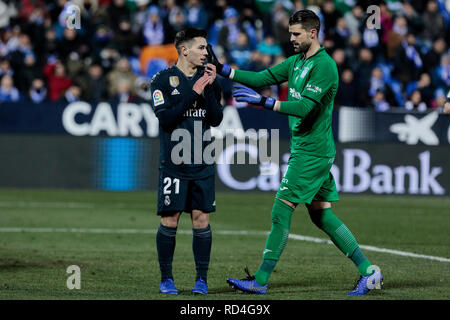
{"type": "Point", "coordinates": [184, 75]}
{"type": "Point", "coordinates": [322, 48]}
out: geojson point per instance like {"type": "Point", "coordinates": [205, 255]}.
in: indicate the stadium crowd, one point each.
{"type": "Point", "coordinates": [402, 63]}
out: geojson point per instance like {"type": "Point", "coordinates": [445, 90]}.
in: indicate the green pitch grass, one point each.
{"type": "Point", "coordinates": [124, 265]}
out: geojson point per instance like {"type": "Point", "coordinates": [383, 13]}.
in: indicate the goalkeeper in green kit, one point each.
{"type": "Point", "coordinates": [313, 82]}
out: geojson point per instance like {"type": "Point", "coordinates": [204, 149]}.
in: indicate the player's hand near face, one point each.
{"type": "Point", "coordinates": [201, 83]}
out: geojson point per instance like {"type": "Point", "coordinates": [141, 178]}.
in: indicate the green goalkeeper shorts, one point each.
{"type": "Point", "coordinates": [307, 179]}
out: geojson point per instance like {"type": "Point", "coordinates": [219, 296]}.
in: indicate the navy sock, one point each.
{"type": "Point", "coordinates": [165, 244]}
{"type": "Point", "coordinates": [201, 246]}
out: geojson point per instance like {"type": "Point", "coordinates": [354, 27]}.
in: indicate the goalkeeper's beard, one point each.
{"type": "Point", "coordinates": [302, 47]}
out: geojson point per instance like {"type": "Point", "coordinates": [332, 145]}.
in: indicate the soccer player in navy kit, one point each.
{"type": "Point", "coordinates": [187, 97]}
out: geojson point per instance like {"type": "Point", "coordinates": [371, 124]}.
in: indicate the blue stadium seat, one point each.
{"type": "Point", "coordinates": [154, 66]}
{"type": "Point", "coordinates": [135, 65]}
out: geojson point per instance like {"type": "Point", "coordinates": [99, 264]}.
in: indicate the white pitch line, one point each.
{"type": "Point", "coordinates": [29, 204]}
{"type": "Point", "coordinates": [220, 232]}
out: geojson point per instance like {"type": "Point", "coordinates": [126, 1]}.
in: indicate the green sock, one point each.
{"type": "Point", "coordinates": [361, 262]}
{"type": "Point", "coordinates": [262, 275]}
{"type": "Point", "coordinates": [341, 237]}
{"type": "Point", "coordinates": [276, 241]}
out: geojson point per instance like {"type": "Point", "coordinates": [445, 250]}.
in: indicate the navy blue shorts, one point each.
{"type": "Point", "coordinates": [178, 195]}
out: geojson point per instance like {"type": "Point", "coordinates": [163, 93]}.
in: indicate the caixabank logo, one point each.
{"type": "Point", "coordinates": [358, 168]}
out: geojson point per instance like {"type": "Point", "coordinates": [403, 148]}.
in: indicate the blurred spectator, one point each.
{"type": "Point", "coordinates": [354, 20]}
{"type": "Point", "coordinates": [36, 28]}
{"type": "Point", "coordinates": [71, 43]}
{"type": "Point", "coordinates": [123, 91]}
{"type": "Point", "coordinates": [439, 100]}
{"type": "Point", "coordinates": [101, 39]}
{"type": "Point", "coordinates": [108, 57]}
{"type": "Point", "coordinates": [50, 47]}
{"type": "Point", "coordinates": [8, 92]}
{"type": "Point", "coordinates": [281, 29]}
{"type": "Point", "coordinates": [153, 30]}
{"type": "Point", "coordinates": [27, 73]}
{"type": "Point", "coordinates": [17, 55]}
{"type": "Point", "coordinates": [396, 36]}
{"type": "Point", "coordinates": [121, 70]}
{"type": "Point", "coordinates": [441, 75]}
{"type": "Point", "coordinates": [344, 6]}
{"type": "Point", "coordinates": [92, 14]}
{"type": "Point", "coordinates": [376, 81]}
{"type": "Point", "coordinates": [260, 61]}
{"type": "Point", "coordinates": [5, 68]}
{"type": "Point", "coordinates": [116, 11]}
{"type": "Point", "coordinates": [270, 47]}
{"type": "Point", "coordinates": [352, 50]}
{"type": "Point", "coordinates": [363, 67]}
{"type": "Point", "coordinates": [229, 32]}
{"type": "Point", "coordinates": [9, 41]}
{"type": "Point", "coordinates": [371, 40]}
{"type": "Point", "coordinates": [57, 79]}
{"type": "Point", "coordinates": [72, 94]}
{"type": "Point", "coordinates": [330, 16]}
{"type": "Point", "coordinates": [415, 102]}
{"type": "Point", "coordinates": [216, 9]}
{"type": "Point", "coordinates": [433, 57]}
{"type": "Point", "coordinates": [424, 86]}
{"type": "Point", "coordinates": [341, 33]}
{"type": "Point", "coordinates": [407, 61]}
{"type": "Point", "coordinates": [346, 91]}
{"type": "Point", "coordinates": [447, 103]}
{"type": "Point", "coordinates": [387, 22]}
{"type": "Point", "coordinates": [124, 40]}
{"type": "Point", "coordinates": [176, 17]}
{"type": "Point", "coordinates": [433, 22]}
{"type": "Point", "coordinates": [140, 15]}
{"type": "Point", "coordinates": [93, 84]}
{"type": "Point", "coordinates": [415, 23]}
{"type": "Point", "coordinates": [379, 101]}
{"type": "Point", "coordinates": [339, 57]}
{"type": "Point", "coordinates": [378, 85]}
{"type": "Point", "coordinates": [196, 14]}
{"type": "Point", "coordinates": [241, 52]}
{"type": "Point", "coordinates": [38, 91]}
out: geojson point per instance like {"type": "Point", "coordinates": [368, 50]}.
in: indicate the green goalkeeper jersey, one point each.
{"type": "Point", "coordinates": [315, 79]}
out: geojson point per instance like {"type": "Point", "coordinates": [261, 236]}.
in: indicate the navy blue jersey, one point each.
{"type": "Point", "coordinates": [177, 106]}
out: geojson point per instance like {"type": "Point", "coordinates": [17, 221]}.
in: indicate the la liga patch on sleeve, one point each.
{"type": "Point", "coordinates": [158, 98]}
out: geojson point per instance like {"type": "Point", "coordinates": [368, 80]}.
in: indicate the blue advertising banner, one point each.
{"type": "Point", "coordinates": [414, 128]}
{"type": "Point", "coordinates": [138, 120]}
{"type": "Point", "coordinates": [121, 120]}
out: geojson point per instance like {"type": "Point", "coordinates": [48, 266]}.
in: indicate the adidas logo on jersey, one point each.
{"type": "Point", "coordinates": [174, 92]}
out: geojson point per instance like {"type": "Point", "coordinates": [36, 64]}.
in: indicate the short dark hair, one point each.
{"type": "Point", "coordinates": [187, 35]}
{"type": "Point", "coordinates": [307, 18]}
